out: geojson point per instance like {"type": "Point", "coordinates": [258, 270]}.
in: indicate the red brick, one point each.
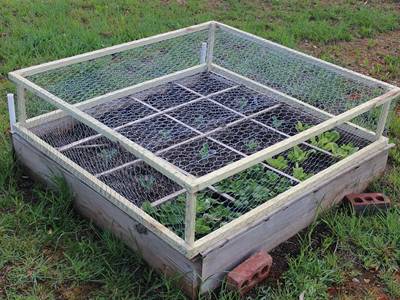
{"type": "Point", "coordinates": [367, 202]}
{"type": "Point", "coordinates": [250, 272]}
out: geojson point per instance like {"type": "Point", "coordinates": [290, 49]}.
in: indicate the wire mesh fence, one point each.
{"type": "Point", "coordinates": [199, 131]}
{"type": "Point", "coordinates": [200, 123]}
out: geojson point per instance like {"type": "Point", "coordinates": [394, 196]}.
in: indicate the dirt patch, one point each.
{"type": "Point", "coordinates": [76, 292]}
{"type": "Point", "coordinates": [365, 284]}
{"type": "Point", "coordinates": [377, 57]}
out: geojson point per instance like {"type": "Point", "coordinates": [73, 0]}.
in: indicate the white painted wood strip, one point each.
{"type": "Point", "coordinates": [157, 163]}
{"type": "Point", "coordinates": [21, 103]}
{"type": "Point", "coordinates": [245, 221]}
{"type": "Point", "coordinates": [104, 190]}
{"type": "Point", "coordinates": [281, 146]}
{"type": "Point", "coordinates": [203, 53]}
{"type": "Point", "coordinates": [349, 73]}
{"type": "Point", "coordinates": [211, 43]}
{"type": "Point", "coordinates": [286, 98]}
{"type": "Point", "coordinates": [190, 218]}
{"type": "Point", "coordinates": [111, 50]}
{"type": "Point", "coordinates": [167, 198]}
{"type": "Point", "coordinates": [382, 119]}
{"type": "Point", "coordinates": [11, 111]}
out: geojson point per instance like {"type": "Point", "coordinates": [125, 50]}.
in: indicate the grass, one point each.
{"type": "Point", "coordinates": [47, 251]}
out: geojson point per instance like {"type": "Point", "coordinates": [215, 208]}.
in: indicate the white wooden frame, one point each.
{"type": "Point", "coordinates": [190, 247]}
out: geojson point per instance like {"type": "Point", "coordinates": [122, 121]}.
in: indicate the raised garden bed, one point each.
{"type": "Point", "coordinates": [200, 146]}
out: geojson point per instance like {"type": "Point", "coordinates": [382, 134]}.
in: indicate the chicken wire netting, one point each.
{"type": "Point", "coordinates": [82, 81]}
{"type": "Point", "coordinates": [203, 122]}
{"type": "Point", "coordinates": [297, 76]}
{"type": "Point", "coordinates": [199, 124]}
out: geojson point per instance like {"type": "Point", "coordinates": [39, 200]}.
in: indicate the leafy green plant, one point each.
{"type": "Point", "coordinates": [252, 145]}
{"type": "Point", "coordinates": [210, 214]}
{"type": "Point", "coordinates": [279, 162]}
{"type": "Point", "coordinates": [326, 140]}
{"type": "Point", "coordinates": [253, 187]}
{"type": "Point", "coordinates": [344, 150]}
{"type": "Point", "coordinates": [199, 120]}
{"type": "Point", "coordinates": [276, 123]}
{"type": "Point", "coordinates": [165, 133]}
{"type": "Point", "coordinates": [299, 173]}
{"type": "Point", "coordinates": [302, 127]}
{"type": "Point", "coordinates": [202, 227]}
{"type": "Point", "coordinates": [204, 151]}
{"type": "Point", "coordinates": [107, 154]}
{"type": "Point", "coordinates": [147, 181]}
{"type": "Point", "coordinates": [297, 155]}
{"type": "Point", "coordinates": [243, 101]}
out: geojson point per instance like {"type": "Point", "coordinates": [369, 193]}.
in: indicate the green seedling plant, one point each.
{"type": "Point", "coordinates": [300, 174]}
{"type": "Point", "coordinates": [279, 162]}
{"type": "Point", "coordinates": [253, 186]}
{"type": "Point", "coordinates": [210, 214]}
{"type": "Point", "coordinates": [302, 127]}
{"type": "Point", "coordinates": [243, 101]}
{"type": "Point", "coordinates": [107, 154]}
{"type": "Point", "coordinates": [165, 134]}
{"type": "Point", "coordinates": [252, 145]}
{"type": "Point", "coordinates": [276, 123]}
{"type": "Point", "coordinates": [328, 141]}
{"type": "Point", "coordinates": [199, 120]}
{"type": "Point", "coordinates": [298, 156]}
{"type": "Point", "coordinates": [205, 151]}
{"type": "Point", "coordinates": [147, 182]}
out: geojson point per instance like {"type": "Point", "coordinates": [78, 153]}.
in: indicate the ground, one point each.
{"type": "Point", "coordinates": [47, 251]}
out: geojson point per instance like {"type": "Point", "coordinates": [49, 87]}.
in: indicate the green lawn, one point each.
{"type": "Point", "coordinates": [47, 251]}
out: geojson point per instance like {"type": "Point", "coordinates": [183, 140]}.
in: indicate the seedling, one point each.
{"type": "Point", "coordinates": [205, 151]}
{"type": "Point", "coordinates": [146, 181]}
{"type": "Point", "coordinates": [107, 154]}
{"type": "Point", "coordinates": [199, 120]}
{"type": "Point", "coordinates": [299, 173]}
{"type": "Point", "coordinates": [165, 134]}
{"type": "Point", "coordinates": [276, 123]}
{"type": "Point", "coordinates": [279, 163]}
{"type": "Point", "coordinates": [242, 102]}
{"type": "Point", "coordinates": [252, 145]}
{"type": "Point", "coordinates": [302, 127]}
{"type": "Point", "coordinates": [297, 155]}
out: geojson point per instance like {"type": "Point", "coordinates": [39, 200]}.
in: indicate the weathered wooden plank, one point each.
{"type": "Point", "coordinates": [288, 220]}
{"type": "Point", "coordinates": [156, 252]}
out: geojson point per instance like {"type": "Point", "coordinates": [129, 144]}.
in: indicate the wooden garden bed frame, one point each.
{"type": "Point", "coordinates": [188, 246]}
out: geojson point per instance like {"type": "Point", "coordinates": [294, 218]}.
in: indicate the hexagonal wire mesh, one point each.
{"type": "Point", "coordinates": [203, 122]}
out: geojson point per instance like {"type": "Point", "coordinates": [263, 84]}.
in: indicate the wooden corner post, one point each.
{"type": "Point", "coordinates": [210, 44]}
{"type": "Point", "coordinates": [21, 105]}
{"type": "Point", "coordinates": [190, 218]}
{"type": "Point", "coordinates": [382, 120]}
